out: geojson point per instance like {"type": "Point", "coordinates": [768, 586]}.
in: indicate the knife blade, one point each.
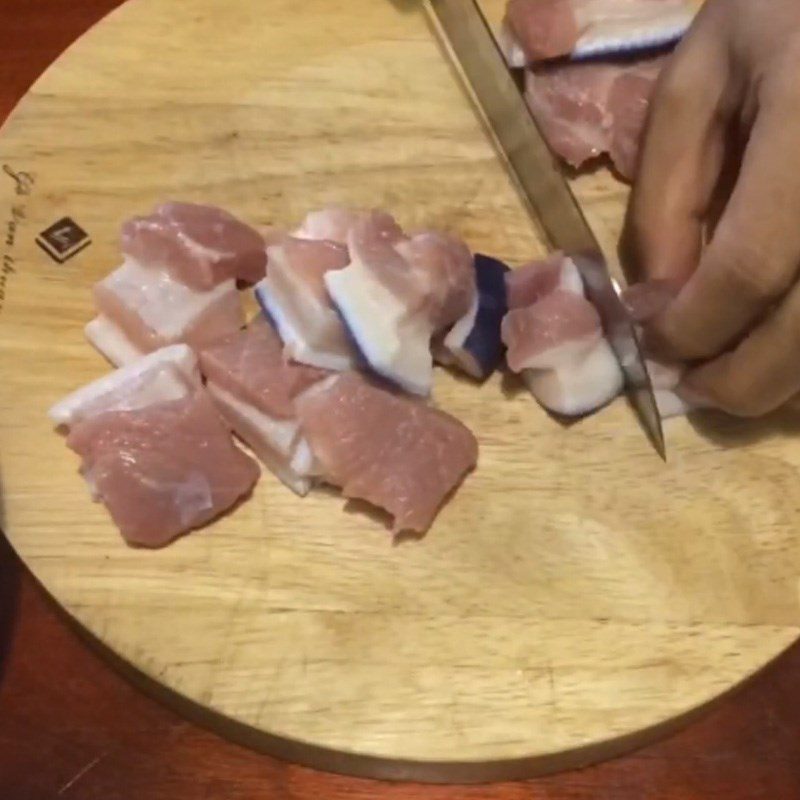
{"type": "Point", "coordinates": [468, 40]}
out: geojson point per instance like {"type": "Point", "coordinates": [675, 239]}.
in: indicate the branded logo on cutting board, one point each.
{"type": "Point", "coordinates": [11, 226]}
{"type": "Point", "coordinates": [63, 240]}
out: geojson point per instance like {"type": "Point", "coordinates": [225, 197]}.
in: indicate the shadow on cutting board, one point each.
{"type": "Point", "coordinates": [734, 432]}
{"type": "Point", "coordinates": [9, 590]}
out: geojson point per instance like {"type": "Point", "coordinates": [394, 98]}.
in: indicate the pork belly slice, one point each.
{"type": "Point", "coordinates": [170, 373]}
{"type": "Point", "coordinates": [146, 309]}
{"type": "Point", "coordinates": [111, 342]}
{"type": "Point", "coordinates": [382, 305]}
{"type": "Point", "coordinates": [557, 344]}
{"type": "Point", "coordinates": [276, 443]}
{"type": "Point", "coordinates": [251, 364]}
{"type": "Point", "coordinates": [394, 452]}
{"type": "Point", "coordinates": [590, 109]}
{"type": "Point", "coordinates": [200, 246]}
{"type": "Point", "coordinates": [531, 282]}
{"type": "Point", "coordinates": [295, 298]}
{"type": "Point", "coordinates": [334, 223]}
{"type": "Point", "coordinates": [444, 268]}
{"type": "Point", "coordinates": [163, 469]}
{"type": "Point", "coordinates": [255, 388]}
{"type": "Point", "coordinates": [538, 30]}
{"type": "Point", "coordinates": [473, 344]}
{"type": "Point", "coordinates": [394, 296]}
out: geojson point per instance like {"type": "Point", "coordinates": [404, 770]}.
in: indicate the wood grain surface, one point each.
{"type": "Point", "coordinates": [788, 790]}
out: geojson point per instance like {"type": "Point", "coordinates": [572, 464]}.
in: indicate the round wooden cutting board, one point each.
{"type": "Point", "coordinates": [575, 598]}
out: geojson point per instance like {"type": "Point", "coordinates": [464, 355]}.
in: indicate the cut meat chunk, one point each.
{"type": "Point", "coordinates": [473, 343]}
{"type": "Point", "coordinates": [250, 364]}
{"type": "Point", "coordinates": [394, 343]}
{"type": "Point", "coordinates": [382, 303]}
{"type": "Point", "coordinates": [151, 309]}
{"type": "Point", "coordinates": [579, 386]}
{"type": "Point", "coordinates": [276, 443]}
{"type": "Point", "coordinates": [111, 342]}
{"type": "Point", "coordinates": [255, 388]}
{"type": "Point", "coordinates": [558, 345]}
{"type": "Point", "coordinates": [163, 469]}
{"type": "Point", "coordinates": [295, 297]}
{"type": "Point", "coordinates": [393, 452]}
{"type": "Point", "coordinates": [542, 29]}
{"type": "Point", "coordinates": [537, 30]}
{"type": "Point", "coordinates": [200, 246]}
{"type": "Point", "coordinates": [445, 270]}
{"type": "Point", "coordinates": [335, 223]}
{"type": "Point", "coordinates": [559, 328]}
{"type": "Point", "coordinates": [528, 284]}
{"type": "Point", "coordinates": [167, 374]}
{"type": "Point", "coordinates": [309, 261]}
{"type": "Point", "coordinates": [587, 110]}
{"type": "Point", "coordinates": [395, 295]}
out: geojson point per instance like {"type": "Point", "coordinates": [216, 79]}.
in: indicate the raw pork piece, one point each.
{"type": "Point", "coordinates": [396, 453]}
{"type": "Point", "coordinates": [167, 374]}
{"type": "Point", "coordinates": [255, 388]}
{"type": "Point", "coordinates": [530, 283]}
{"type": "Point", "coordinates": [334, 223]}
{"type": "Point", "coordinates": [143, 309]}
{"type": "Point", "coordinates": [444, 268]}
{"type": "Point", "coordinates": [555, 338]}
{"type": "Point", "coordinates": [295, 297]}
{"type": "Point", "coordinates": [559, 328]}
{"type": "Point", "coordinates": [587, 110]}
{"type": "Point", "coordinates": [200, 246]}
{"type": "Point", "coordinates": [110, 341]}
{"type": "Point", "coordinates": [473, 344]}
{"type": "Point", "coordinates": [557, 344]}
{"type": "Point", "coordinates": [164, 469]}
{"type": "Point", "coordinates": [395, 295]}
{"type": "Point", "coordinates": [537, 30]}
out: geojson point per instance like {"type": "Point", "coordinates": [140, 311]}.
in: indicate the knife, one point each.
{"type": "Point", "coordinates": [468, 41]}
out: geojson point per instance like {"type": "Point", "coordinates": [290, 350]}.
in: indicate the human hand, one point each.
{"type": "Point", "coordinates": [716, 206]}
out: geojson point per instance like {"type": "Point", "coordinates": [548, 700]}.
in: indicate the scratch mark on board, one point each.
{"type": "Point", "coordinates": [80, 774]}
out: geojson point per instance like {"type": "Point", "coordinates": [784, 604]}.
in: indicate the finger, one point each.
{"type": "Point", "coordinates": [754, 254]}
{"type": "Point", "coordinates": [682, 155]}
{"type": "Point", "coordinates": [793, 404]}
{"type": "Point", "coordinates": [761, 374]}
{"type": "Point", "coordinates": [736, 138]}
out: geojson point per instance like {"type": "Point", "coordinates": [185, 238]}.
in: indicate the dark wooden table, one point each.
{"type": "Point", "coordinates": [70, 727]}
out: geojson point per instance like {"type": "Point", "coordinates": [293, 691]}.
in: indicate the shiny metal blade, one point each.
{"type": "Point", "coordinates": [468, 40]}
